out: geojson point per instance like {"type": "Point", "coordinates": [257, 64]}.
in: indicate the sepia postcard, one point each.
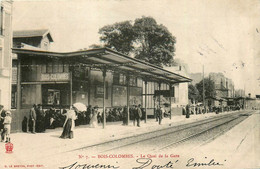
{"type": "Point", "coordinates": [130, 84]}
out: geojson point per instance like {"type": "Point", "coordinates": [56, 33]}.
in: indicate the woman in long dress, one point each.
{"type": "Point", "coordinates": [69, 124]}
{"type": "Point", "coordinates": [93, 120]}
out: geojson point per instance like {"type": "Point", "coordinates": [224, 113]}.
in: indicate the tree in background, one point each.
{"type": "Point", "coordinates": [209, 89]}
{"type": "Point", "coordinates": [119, 36]}
{"type": "Point", "coordinates": [155, 44]}
{"type": "Point", "coordinates": [193, 93]}
{"type": "Point", "coordinates": [146, 39]}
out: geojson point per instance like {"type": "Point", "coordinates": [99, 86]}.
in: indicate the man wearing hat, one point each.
{"type": "Point", "coordinates": [32, 116]}
{"type": "Point", "coordinates": [160, 114]}
{"type": "Point", "coordinates": [7, 126]}
{"type": "Point", "coordinates": [138, 114]}
{"type": "Point", "coordinates": [2, 116]}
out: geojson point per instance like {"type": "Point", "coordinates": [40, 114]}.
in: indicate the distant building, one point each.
{"type": "Point", "coordinates": [32, 39]}
{"type": "Point", "coordinates": [224, 87]}
{"type": "Point", "coordinates": [5, 52]}
{"type": "Point", "coordinates": [180, 89]}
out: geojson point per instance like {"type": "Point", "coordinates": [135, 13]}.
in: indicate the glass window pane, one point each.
{"type": "Point", "coordinates": [150, 101]}
{"type": "Point", "coordinates": [43, 68]}
{"type": "Point", "coordinates": [143, 88]}
{"type": "Point", "coordinates": [49, 67]}
{"type": "Point", "coordinates": [55, 66]}
{"type": "Point", "coordinates": [121, 79]}
{"type": "Point", "coordinates": [60, 67]}
{"type": "Point", "coordinates": [66, 68]}
{"type": "Point", "coordinates": [151, 88]}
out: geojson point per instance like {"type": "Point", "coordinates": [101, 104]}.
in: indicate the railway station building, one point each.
{"type": "Point", "coordinates": [101, 77]}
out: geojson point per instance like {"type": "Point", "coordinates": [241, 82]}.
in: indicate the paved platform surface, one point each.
{"type": "Point", "coordinates": [239, 146]}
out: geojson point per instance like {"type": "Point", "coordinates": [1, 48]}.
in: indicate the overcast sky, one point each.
{"type": "Point", "coordinates": [221, 34]}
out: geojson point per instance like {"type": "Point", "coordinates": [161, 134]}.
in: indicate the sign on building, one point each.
{"type": "Point", "coordinates": [55, 77]}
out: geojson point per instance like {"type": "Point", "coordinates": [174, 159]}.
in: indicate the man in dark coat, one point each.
{"type": "Point", "coordinates": [187, 111]}
{"type": "Point", "coordinates": [40, 126]}
{"type": "Point", "coordinates": [156, 113]}
{"type": "Point", "coordinates": [32, 117]}
{"type": "Point", "coordinates": [124, 115]}
{"type": "Point", "coordinates": [89, 113]}
{"type": "Point", "coordinates": [196, 109]}
{"type": "Point", "coordinates": [183, 110]}
{"type": "Point", "coordinates": [2, 116]}
{"type": "Point", "coordinates": [160, 114]}
{"type": "Point", "coordinates": [138, 114]}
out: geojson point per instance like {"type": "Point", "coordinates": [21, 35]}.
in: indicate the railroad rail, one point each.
{"type": "Point", "coordinates": [166, 134]}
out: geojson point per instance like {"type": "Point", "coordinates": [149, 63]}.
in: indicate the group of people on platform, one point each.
{"type": "Point", "coordinates": [159, 114]}
{"type": "Point", "coordinates": [199, 109]}
{"type": "Point", "coordinates": [135, 114]}
{"type": "Point", "coordinates": [5, 124]}
{"type": "Point", "coordinates": [40, 120]}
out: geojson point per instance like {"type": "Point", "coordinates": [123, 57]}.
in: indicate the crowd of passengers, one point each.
{"type": "Point", "coordinates": [40, 119]}
{"type": "Point", "coordinates": [53, 118]}
{"type": "Point", "coordinates": [199, 109]}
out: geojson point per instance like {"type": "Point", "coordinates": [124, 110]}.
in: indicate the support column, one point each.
{"type": "Point", "coordinates": [89, 85]}
{"type": "Point", "coordinates": [104, 97]}
{"type": "Point", "coordinates": [127, 99]}
{"type": "Point", "coordinates": [71, 92]}
{"type": "Point", "coordinates": [159, 94]}
{"type": "Point", "coordinates": [145, 100]}
{"type": "Point", "coordinates": [170, 101]}
{"type": "Point", "coordinates": [19, 87]}
{"type": "Point", "coordinates": [19, 93]}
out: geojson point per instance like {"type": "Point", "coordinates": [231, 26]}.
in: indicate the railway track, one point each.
{"type": "Point", "coordinates": [228, 125]}
{"type": "Point", "coordinates": [172, 136]}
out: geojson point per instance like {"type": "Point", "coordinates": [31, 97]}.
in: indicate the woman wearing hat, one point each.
{"type": "Point", "coordinates": [7, 126]}
{"type": "Point", "coordinates": [69, 124]}
{"type": "Point", "coordinates": [93, 120]}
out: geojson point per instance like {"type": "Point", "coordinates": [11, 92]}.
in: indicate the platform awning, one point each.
{"type": "Point", "coordinates": [111, 60]}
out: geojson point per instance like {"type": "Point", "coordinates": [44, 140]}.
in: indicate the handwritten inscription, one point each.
{"type": "Point", "coordinates": [147, 163]}
{"type": "Point", "coordinates": [87, 166]}
{"type": "Point", "coordinates": [191, 163]}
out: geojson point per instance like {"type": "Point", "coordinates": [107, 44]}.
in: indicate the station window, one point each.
{"type": "Point", "coordinates": [49, 67]}
{"type": "Point", "coordinates": [122, 79]}
{"type": "Point", "coordinates": [133, 81]}
{"type": "Point", "coordinates": [116, 78]}
{"type": "Point", "coordinates": [53, 97]}
{"type": "Point", "coordinates": [54, 66]}
{"type": "Point", "coordinates": [14, 97]}
{"type": "Point", "coordinates": [119, 79]}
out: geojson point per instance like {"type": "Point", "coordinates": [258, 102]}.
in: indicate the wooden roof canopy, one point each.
{"type": "Point", "coordinates": [111, 60]}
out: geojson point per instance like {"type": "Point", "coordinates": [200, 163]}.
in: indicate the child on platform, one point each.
{"type": "Point", "coordinates": [7, 126]}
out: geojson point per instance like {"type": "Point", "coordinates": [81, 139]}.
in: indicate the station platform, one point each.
{"type": "Point", "coordinates": [49, 145]}
{"type": "Point", "coordinates": [86, 136]}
